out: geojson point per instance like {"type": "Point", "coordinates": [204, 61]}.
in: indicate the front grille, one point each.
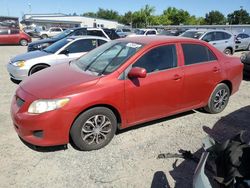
{"type": "Point", "coordinates": [19, 101]}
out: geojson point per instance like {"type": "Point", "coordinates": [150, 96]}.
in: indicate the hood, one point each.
{"type": "Point", "coordinates": [57, 81]}
{"type": "Point", "coordinates": [48, 40]}
{"type": "Point", "coordinates": [29, 55]}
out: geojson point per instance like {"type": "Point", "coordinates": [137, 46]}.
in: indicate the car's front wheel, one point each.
{"type": "Point", "coordinates": [23, 42]}
{"type": "Point", "coordinates": [218, 99]}
{"type": "Point", "coordinates": [228, 51]}
{"type": "Point", "coordinates": [44, 36]}
{"type": "Point", "coordinates": [93, 129]}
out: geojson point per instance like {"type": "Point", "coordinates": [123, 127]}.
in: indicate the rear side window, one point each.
{"type": "Point", "coordinates": [84, 45]}
{"type": "Point", "coordinates": [159, 58]}
{"type": "Point", "coordinates": [96, 33]}
{"type": "Point", "coordinates": [195, 53]}
{"type": "Point", "coordinates": [151, 32]}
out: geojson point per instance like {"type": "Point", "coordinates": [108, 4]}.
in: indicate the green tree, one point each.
{"type": "Point", "coordinates": [239, 17]}
{"type": "Point", "coordinates": [127, 18]}
{"type": "Point", "coordinates": [215, 18]}
{"type": "Point", "coordinates": [89, 14]}
{"type": "Point", "coordinates": [176, 16]}
{"type": "Point", "coordinates": [107, 14]}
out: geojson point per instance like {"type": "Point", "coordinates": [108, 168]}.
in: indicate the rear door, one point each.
{"type": "Point", "coordinates": [202, 72]}
{"type": "Point", "coordinates": [15, 36]}
{"type": "Point", "coordinates": [159, 93]}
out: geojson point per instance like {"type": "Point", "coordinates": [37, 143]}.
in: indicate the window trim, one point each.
{"type": "Point", "coordinates": [203, 62]}
{"type": "Point", "coordinates": [156, 46]}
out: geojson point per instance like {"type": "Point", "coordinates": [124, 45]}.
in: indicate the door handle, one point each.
{"type": "Point", "coordinates": [177, 77]}
{"type": "Point", "coordinates": [216, 69]}
{"type": "Point", "coordinates": [214, 43]}
{"type": "Point", "coordinates": [226, 41]}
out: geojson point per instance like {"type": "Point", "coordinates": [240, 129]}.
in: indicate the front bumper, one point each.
{"type": "Point", "coordinates": [46, 129]}
{"type": "Point", "coordinates": [16, 73]}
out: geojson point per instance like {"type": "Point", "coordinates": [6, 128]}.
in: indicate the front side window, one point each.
{"type": "Point", "coordinates": [193, 34]}
{"type": "Point", "coordinates": [151, 33]}
{"type": "Point", "coordinates": [83, 45]}
{"type": "Point", "coordinates": [107, 58]}
{"type": "Point", "coordinates": [195, 53]}
{"type": "Point", "coordinates": [14, 31]}
{"type": "Point", "coordinates": [157, 59]}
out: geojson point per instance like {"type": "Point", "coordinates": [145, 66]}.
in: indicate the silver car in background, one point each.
{"type": "Point", "coordinates": [243, 41]}
{"type": "Point", "coordinates": [62, 51]}
{"type": "Point", "coordinates": [220, 39]}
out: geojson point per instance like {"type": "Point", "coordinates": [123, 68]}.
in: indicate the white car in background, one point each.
{"type": "Point", "coordinates": [144, 32]}
{"type": "Point", "coordinates": [243, 41]}
{"type": "Point", "coordinates": [53, 31]}
{"type": "Point", "coordinates": [221, 39]}
{"type": "Point", "coordinates": [62, 51]}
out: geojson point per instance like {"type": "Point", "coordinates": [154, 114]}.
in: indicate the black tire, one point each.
{"type": "Point", "coordinates": [218, 100]}
{"type": "Point", "coordinates": [44, 36]}
{"type": "Point", "coordinates": [23, 42]}
{"type": "Point", "coordinates": [247, 68]}
{"type": "Point", "coordinates": [37, 68]}
{"type": "Point", "coordinates": [228, 51]}
{"type": "Point", "coordinates": [89, 136]}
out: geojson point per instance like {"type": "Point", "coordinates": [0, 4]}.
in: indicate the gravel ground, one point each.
{"type": "Point", "coordinates": [128, 161]}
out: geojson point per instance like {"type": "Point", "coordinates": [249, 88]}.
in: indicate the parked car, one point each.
{"type": "Point", "coordinates": [32, 31]}
{"type": "Point", "coordinates": [221, 39]}
{"type": "Point", "coordinates": [53, 31]}
{"type": "Point", "coordinates": [242, 41]}
{"type": "Point", "coordinates": [144, 32]}
{"type": "Point", "coordinates": [175, 32]}
{"type": "Point", "coordinates": [245, 59]}
{"type": "Point", "coordinates": [78, 31]}
{"type": "Point", "coordinates": [62, 51]}
{"type": "Point", "coordinates": [120, 84]}
{"type": "Point", "coordinates": [123, 32]}
{"type": "Point", "coordinates": [14, 36]}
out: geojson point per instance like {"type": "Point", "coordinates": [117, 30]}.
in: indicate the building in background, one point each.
{"type": "Point", "coordinates": [45, 21]}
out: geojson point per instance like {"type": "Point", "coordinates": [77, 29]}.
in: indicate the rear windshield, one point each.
{"type": "Point", "coordinates": [193, 34]}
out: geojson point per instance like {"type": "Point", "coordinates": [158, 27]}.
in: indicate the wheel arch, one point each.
{"type": "Point", "coordinates": [45, 64]}
{"type": "Point", "coordinates": [229, 84]}
{"type": "Point", "coordinates": [112, 108]}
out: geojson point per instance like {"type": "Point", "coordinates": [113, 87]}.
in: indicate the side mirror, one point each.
{"type": "Point", "coordinates": [137, 72]}
{"type": "Point", "coordinates": [65, 52]}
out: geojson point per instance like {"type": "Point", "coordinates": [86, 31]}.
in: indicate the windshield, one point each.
{"type": "Point", "coordinates": [53, 48]}
{"type": "Point", "coordinates": [140, 32]}
{"type": "Point", "coordinates": [63, 34]}
{"type": "Point", "coordinates": [108, 57]}
{"type": "Point", "coordinates": [193, 34]}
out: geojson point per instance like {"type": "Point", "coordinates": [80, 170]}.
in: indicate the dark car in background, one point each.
{"type": "Point", "coordinates": [79, 31]}
{"type": "Point", "coordinates": [14, 36]}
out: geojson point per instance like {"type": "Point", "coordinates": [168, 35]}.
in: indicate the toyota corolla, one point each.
{"type": "Point", "coordinates": [120, 84]}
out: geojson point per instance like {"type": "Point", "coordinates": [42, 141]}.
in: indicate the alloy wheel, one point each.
{"type": "Point", "coordinates": [96, 129]}
{"type": "Point", "coordinates": [220, 100]}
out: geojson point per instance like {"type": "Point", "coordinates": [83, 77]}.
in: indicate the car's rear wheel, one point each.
{"type": "Point", "coordinates": [23, 42]}
{"type": "Point", "coordinates": [44, 36]}
{"type": "Point", "coordinates": [37, 68]}
{"type": "Point", "coordinates": [93, 129]}
{"type": "Point", "coordinates": [219, 99]}
{"type": "Point", "coordinates": [228, 51]}
{"type": "Point", "coordinates": [247, 68]}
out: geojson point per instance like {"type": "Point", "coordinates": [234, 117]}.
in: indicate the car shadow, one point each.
{"type": "Point", "coordinates": [154, 122]}
{"type": "Point", "coordinates": [226, 128]}
{"type": "Point", "coordinates": [44, 149]}
{"type": "Point", "coordinates": [160, 180]}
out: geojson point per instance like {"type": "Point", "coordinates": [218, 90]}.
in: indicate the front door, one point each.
{"type": "Point", "coordinates": [159, 93]}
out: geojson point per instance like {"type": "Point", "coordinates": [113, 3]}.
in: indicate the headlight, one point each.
{"type": "Point", "coordinates": [45, 105]}
{"type": "Point", "coordinates": [19, 64]}
{"type": "Point", "coordinates": [44, 45]}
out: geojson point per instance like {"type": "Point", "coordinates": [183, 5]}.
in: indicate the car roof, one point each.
{"type": "Point", "coordinates": [208, 30]}
{"type": "Point", "coordinates": [158, 39]}
{"type": "Point", "coordinates": [87, 37]}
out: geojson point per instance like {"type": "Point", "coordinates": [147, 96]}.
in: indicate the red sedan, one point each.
{"type": "Point", "coordinates": [14, 36]}
{"type": "Point", "coordinates": [120, 84]}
